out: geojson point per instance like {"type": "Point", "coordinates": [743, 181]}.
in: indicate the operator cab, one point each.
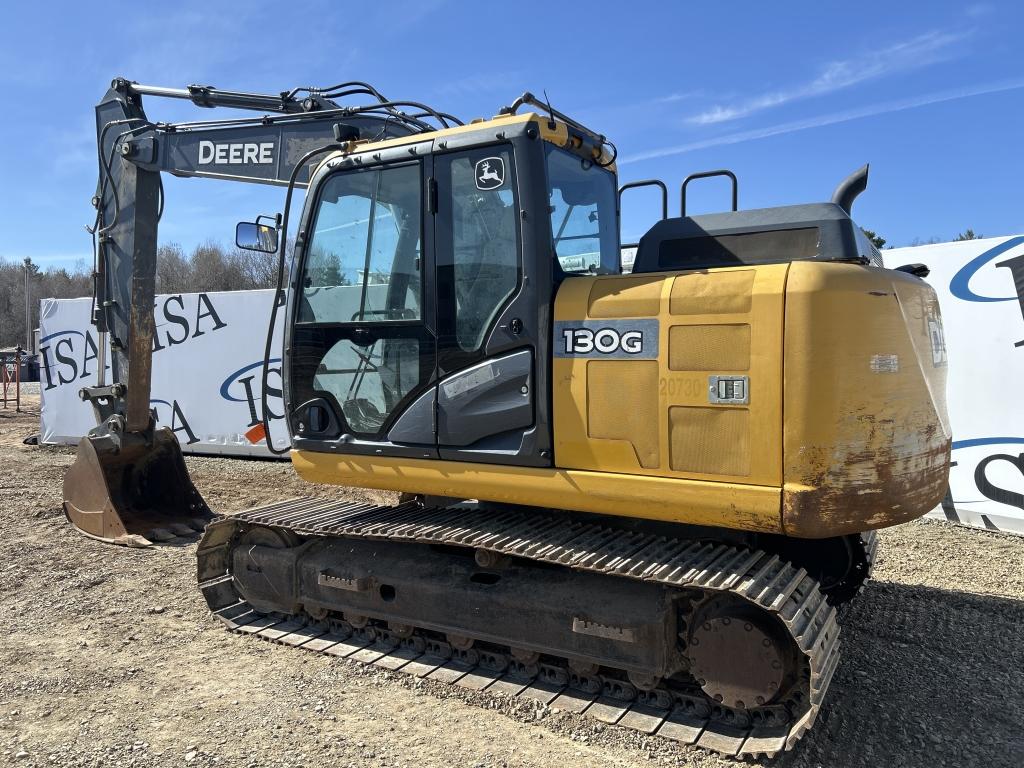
{"type": "Point", "coordinates": [424, 274]}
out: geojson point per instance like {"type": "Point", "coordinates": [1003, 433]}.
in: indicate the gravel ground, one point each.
{"type": "Point", "coordinates": [110, 658]}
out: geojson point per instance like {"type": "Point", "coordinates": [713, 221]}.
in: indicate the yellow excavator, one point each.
{"type": "Point", "coordinates": [638, 496]}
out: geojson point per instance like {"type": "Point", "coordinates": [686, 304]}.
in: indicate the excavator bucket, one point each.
{"type": "Point", "coordinates": [134, 495]}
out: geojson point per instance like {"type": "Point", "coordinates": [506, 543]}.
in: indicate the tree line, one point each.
{"type": "Point", "coordinates": [209, 267]}
{"type": "Point", "coordinates": [879, 241]}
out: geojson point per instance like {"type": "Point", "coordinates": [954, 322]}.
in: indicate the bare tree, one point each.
{"type": "Point", "coordinates": [173, 269]}
{"type": "Point", "coordinates": [57, 283]}
{"type": "Point", "coordinates": [210, 267]}
{"type": "Point", "coordinates": [259, 269]}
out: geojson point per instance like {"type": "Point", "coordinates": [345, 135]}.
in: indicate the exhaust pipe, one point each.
{"type": "Point", "coordinates": [850, 187]}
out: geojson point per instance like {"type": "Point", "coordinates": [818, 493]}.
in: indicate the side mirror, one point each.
{"type": "Point", "coordinates": [252, 236]}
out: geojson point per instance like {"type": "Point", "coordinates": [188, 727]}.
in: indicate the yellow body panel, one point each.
{"type": "Point", "coordinates": [745, 507]}
{"type": "Point", "coordinates": [653, 417]}
{"type": "Point", "coordinates": [867, 437]}
{"type": "Point", "coordinates": [845, 429]}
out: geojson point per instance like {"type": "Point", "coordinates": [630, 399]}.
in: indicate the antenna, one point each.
{"type": "Point", "coordinates": [551, 112]}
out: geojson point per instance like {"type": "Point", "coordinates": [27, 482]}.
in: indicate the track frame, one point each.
{"type": "Point", "coordinates": [697, 569]}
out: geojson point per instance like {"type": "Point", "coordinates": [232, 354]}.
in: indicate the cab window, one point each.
{"type": "Point", "coordinates": [483, 223]}
{"type": "Point", "coordinates": [363, 259]}
{"type": "Point", "coordinates": [584, 225]}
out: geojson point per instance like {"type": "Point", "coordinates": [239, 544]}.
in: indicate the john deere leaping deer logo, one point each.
{"type": "Point", "coordinates": [490, 173]}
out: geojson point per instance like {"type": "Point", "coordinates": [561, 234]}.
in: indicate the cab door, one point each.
{"type": "Point", "coordinates": [490, 315]}
{"type": "Point", "coordinates": [362, 346]}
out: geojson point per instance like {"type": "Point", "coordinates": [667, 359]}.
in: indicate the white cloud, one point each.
{"type": "Point", "coordinates": [829, 119]}
{"type": "Point", "coordinates": [678, 96]}
{"type": "Point", "coordinates": [917, 52]}
{"type": "Point", "coordinates": [976, 10]}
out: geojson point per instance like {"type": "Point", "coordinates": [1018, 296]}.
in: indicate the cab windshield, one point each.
{"type": "Point", "coordinates": [584, 226]}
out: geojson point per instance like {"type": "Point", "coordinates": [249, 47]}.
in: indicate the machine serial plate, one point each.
{"type": "Point", "coordinates": [729, 390]}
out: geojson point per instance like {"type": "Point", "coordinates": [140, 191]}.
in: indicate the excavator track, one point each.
{"type": "Point", "coordinates": [864, 564]}
{"type": "Point", "coordinates": [726, 595]}
{"type": "Point", "coordinates": [842, 570]}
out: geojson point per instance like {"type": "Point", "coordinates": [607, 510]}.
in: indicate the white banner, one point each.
{"type": "Point", "coordinates": [209, 348]}
{"type": "Point", "coordinates": [207, 370]}
{"type": "Point", "coordinates": [981, 291]}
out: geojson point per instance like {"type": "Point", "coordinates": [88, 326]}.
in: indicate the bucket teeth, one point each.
{"type": "Point", "coordinates": [134, 541]}
{"type": "Point", "coordinates": [134, 493]}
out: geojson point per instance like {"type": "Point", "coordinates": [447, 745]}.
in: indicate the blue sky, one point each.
{"type": "Point", "coordinates": [791, 96]}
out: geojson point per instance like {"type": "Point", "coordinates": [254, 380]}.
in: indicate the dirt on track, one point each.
{"type": "Point", "coordinates": [109, 657]}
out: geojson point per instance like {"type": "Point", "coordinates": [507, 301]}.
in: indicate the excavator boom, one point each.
{"type": "Point", "coordinates": [129, 484]}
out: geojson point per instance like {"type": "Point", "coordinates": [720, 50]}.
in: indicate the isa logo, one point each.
{"type": "Point", "coordinates": [67, 357]}
{"type": "Point", "coordinates": [975, 281]}
{"type": "Point", "coordinates": [245, 386]}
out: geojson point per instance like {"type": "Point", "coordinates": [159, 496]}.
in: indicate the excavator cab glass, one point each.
{"type": "Point", "coordinates": [584, 224]}
{"type": "Point", "coordinates": [363, 262]}
{"type": "Point", "coordinates": [362, 274]}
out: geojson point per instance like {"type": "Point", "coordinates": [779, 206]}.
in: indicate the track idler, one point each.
{"type": "Point", "coordinates": [133, 490]}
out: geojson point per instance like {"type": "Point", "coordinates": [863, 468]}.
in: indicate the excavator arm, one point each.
{"type": "Point", "coordinates": [129, 484]}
